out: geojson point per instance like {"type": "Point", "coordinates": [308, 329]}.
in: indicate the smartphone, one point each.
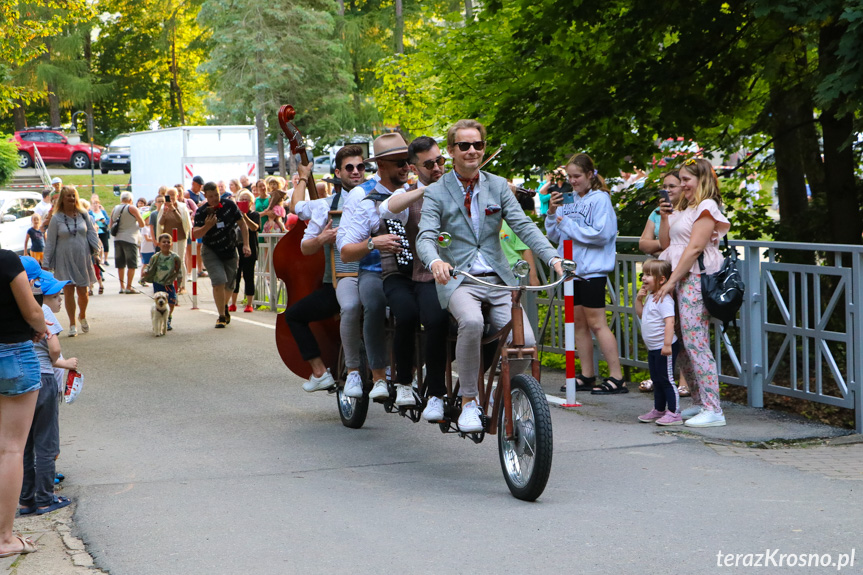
{"type": "Point", "coordinates": [568, 198]}
{"type": "Point", "coordinates": [664, 195]}
{"type": "Point", "coordinates": [244, 206]}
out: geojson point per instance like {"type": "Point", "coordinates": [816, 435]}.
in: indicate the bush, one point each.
{"type": "Point", "coordinates": [8, 159]}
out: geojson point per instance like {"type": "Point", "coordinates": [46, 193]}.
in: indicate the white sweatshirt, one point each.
{"type": "Point", "coordinates": [591, 224]}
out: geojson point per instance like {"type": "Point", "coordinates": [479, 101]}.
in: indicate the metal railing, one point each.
{"type": "Point", "coordinates": [799, 334]}
{"type": "Point", "coordinates": [41, 168]}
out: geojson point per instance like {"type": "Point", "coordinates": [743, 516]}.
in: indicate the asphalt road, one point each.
{"type": "Point", "coordinates": [198, 453]}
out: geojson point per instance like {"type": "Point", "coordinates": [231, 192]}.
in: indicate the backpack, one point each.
{"type": "Point", "coordinates": [723, 291]}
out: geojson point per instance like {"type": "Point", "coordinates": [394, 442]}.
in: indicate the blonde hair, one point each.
{"type": "Point", "coordinates": [163, 190]}
{"type": "Point", "coordinates": [236, 182]}
{"type": "Point", "coordinates": [463, 125]}
{"type": "Point", "coordinates": [278, 181]}
{"type": "Point", "coordinates": [58, 205]}
{"type": "Point", "coordinates": [245, 193]}
{"type": "Point", "coordinates": [708, 183]}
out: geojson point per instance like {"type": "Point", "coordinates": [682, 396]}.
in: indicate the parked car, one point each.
{"type": "Point", "coordinates": [15, 211]}
{"type": "Point", "coordinates": [54, 147]}
{"type": "Point", "coordinates": [322, 165]}
{"type": "Point", "coordinates": [271, 160]}
{"type": "Point", "coordinates": [118, 156]}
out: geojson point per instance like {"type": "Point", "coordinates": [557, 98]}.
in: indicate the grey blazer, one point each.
{"type": "Point", "coordinates": [444, 211]}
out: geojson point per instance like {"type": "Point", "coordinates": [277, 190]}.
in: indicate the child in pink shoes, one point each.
{"type": "Point", "coordinates": [657, 330]}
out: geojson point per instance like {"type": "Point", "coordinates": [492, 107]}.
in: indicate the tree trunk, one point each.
{"type": "Point", "coordinates": [259, 125]}
{"type": "Point", "coordinates": [19, 116]}
{"type": "Point", "coordinates": [468, 11]}
{"type": "Point", "coordinates": [790, 177]}
{"type": "Point", "coordinates": [175, 84]}
{"type": "Point", "coordinates": [53, 105]}
{"type": "Point", "coordinates": [400, 28]}
{"type": "Point", "coordinates": [341, 7]}
{"type": "Point", "coordinates": [282, 168]}
{"type": "Point", "coordinates": [88, 57]}
{"type": "Point", "coordinates": [843, 207]}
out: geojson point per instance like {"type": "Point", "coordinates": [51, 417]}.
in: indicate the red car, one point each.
{"type": "Point", "coordinates": [54, 148]}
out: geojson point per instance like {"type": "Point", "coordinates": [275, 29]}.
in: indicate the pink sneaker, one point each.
{"type": "Point", "coordinates": [651, 416]}
{"type": "Point", "coordinates": [670, 419]}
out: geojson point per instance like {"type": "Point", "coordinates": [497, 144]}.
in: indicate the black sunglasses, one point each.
{"type": "Point", "coordinates": [359, 167]}
{"type": "Point", "coordinates": [399, 163]}
{"type": "Point", "coordinates": [465, 146]}
{"type": "Point", "coordinates": [430, 164]}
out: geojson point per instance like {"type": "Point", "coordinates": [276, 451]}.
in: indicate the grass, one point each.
{"type": "Point", "coordinates": [104, 187]}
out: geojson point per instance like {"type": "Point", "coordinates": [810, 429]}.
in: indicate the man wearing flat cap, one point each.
{"type": "Point", "coordinates": [361, 238]}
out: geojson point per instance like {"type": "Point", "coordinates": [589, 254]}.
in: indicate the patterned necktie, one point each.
{"type": "Point", "coordinates": [469, 184]}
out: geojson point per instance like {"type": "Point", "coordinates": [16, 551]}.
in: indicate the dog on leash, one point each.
{"type": "Point", "coordinates": [159, 313]}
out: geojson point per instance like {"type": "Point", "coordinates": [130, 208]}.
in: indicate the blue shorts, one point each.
{"type": "Point", "coordinates": [145, 257]}
{"type": "Point", "coordinates": [19, 369]}
{"type": "Point", "coordinates": [170, 290]}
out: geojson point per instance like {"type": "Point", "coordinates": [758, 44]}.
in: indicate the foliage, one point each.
{"type": "Point", "coordinates": [133, 52]}
{"type": "Point", "coordinates": [253, 67]}
{"type": "Point", "coordinates": [8, 159]}
{"type": "Point", "coordinates": [26, 26]}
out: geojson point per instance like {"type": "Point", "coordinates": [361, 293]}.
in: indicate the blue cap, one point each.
{"type": "Point", "coordinates": [32, 267]}
{"type": "Point", "coordinates": [49, 284]}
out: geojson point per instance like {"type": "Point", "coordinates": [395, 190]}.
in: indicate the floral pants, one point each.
{"type": "Point", "coordinates": [696, 358]}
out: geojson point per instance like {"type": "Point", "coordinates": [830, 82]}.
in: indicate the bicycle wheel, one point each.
{"type": "Point", "coordinates": [352, 411]}
{"type": "Point", "coordinates": [526, 459]}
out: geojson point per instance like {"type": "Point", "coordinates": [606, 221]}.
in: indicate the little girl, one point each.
{"type": "Point", "coordinates": [34, 241]}
{"type": "Point", "coordinates": [657, 330]}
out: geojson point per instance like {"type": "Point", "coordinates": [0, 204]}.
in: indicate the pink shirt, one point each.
{"type": "Point", "coordinates": [680, 232]}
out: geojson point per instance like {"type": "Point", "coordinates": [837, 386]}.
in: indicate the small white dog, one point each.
{"type": "Point", "coordinates": [159, 313]}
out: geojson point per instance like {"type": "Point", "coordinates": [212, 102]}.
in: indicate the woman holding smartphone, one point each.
{"type": "Point", "coordinates": [586, 216]}
{"type": "Point", "coordinates": [175, 216]}
{"type": "Point", "coordinates": [246, 267]}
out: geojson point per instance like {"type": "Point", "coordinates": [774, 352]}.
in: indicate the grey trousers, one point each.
{"type": "Point", "coordinates": [464, 305]}
{"type": "Point", "coordinates": [348, 294]}
{"type": "Point", "coordinates": [374, 302]}
{"type": "Point", "coordinates": [43, 446]}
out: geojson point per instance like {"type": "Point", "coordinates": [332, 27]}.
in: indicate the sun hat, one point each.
{"type": "Point", "coordinates": [390, 147]}
{"type": "Point", "coordinates": [32, 267]}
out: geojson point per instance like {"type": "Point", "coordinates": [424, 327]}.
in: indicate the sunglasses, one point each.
{"type": "Point", "coordinates": [465, 146]}
{"type": "Point", "coordinates": [399, 163]}
{"type": "Point", "coordinates": [430, 164]}
{"type": "Point", "coordinates": [359, 168]}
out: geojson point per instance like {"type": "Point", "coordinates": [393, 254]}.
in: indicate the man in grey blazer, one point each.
{"type": "Point", "coordinates": [470, 205]}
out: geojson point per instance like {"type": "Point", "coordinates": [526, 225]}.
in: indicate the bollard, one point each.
{"type": "Point", "coordinates": [194, 278]}
{"type": "Point", "coordinates": [569, 332]}
{"type": "Point", "coordinates": [174, 240]}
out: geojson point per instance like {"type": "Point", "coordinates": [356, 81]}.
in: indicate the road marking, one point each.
{"type": "Point", "coordinates": [550, 398]}
{"type": "Point", "coordinates": [240, 319]}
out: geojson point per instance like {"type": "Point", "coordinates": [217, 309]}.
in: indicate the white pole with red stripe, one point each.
{"type": "Point", "coordinates": [569, 332]}
{"type": "Point", "coordinates": [194, 278]}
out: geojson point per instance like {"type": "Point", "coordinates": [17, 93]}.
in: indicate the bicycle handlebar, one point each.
{"type": "Point", "coordinates": [568, 275]}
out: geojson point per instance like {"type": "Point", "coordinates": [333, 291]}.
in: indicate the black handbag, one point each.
{"type": "Point", "coordinates": [723, 291]}
{"type": "Point", "coordinates": [115, 226]}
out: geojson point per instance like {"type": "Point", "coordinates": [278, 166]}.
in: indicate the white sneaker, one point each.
{"type": "Point", "coordinates": [73, 331]}
{"type": "Point", "coordinates": [380, 390]}
{"type": "Point", "coordinates": [690, 412]}
{"type": "Point", "coordinates": [434, 409]}
{"type": "Point", "coordinates": [85, 327]}
{"type": "Point", "coordinates": [354, 385]}
{"type": "Point", "coordinates": [469, 421]}
{"type": "Point", "coordinates": [706, 418]}
{"type": "Point", "coordinates": [405, 395]}
{"type": "Point", "coordinates": [326, 381]}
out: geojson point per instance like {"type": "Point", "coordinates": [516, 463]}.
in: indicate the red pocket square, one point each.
{"type": "Point", "coordinates": [492, 209]}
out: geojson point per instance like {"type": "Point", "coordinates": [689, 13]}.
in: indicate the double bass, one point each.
{"type": "Point", "coordinates": [300, 273]}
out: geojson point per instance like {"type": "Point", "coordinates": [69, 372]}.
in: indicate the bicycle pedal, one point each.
{"type": "Point", "coordinates": [333, 389]}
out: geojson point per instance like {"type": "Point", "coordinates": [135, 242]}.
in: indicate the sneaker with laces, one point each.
{"type": "Point", "coordinates": [73, 331]}
{"type": "Point", "coordinates": [706, 418]}
{"type": "Point", "coordinates": [469, 421]}
{"type": "Point", "coordinates": [380, 390]}
{"type": "Point", "coordinates": [233, 307]}
{"type": "Point", "coordinates": [248, 309]}
{"type": "Point", "coordinates": [690, 412]}
{"type": "Point", "coordinates": [405, 395]}
{"type": "Point", "coordinates": [85, 327]}
{"type": "Point", "coordinates": [434, 409]}
{"type": "Point", "coordinates": [220, 323]}
{"type": "Point", "coordinates": [670, 419]}
{"type": "Point", "coordinates": [354, 385]}
{"type": "Point", "coordinates": [321, 383]}
{"type": "Point", "coordinates": [651, 416]}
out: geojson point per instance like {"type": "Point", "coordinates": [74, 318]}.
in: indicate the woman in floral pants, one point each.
{"type": "Point", "coordinates": [688, 230]}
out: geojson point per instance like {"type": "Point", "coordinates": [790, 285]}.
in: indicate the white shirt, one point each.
{"type": "Point", "coordinates": [42, 208]}
{"type": "Point", "coordinates": [402, 216]}
{"type": "Point", "coordinates": [360, 219]}
{"type": "Point", "coordinates": [653, 321]}
{"type": "Point", "coordinates": [316, 213]}
{"type": "Point", "coordinates": [480, 265]}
